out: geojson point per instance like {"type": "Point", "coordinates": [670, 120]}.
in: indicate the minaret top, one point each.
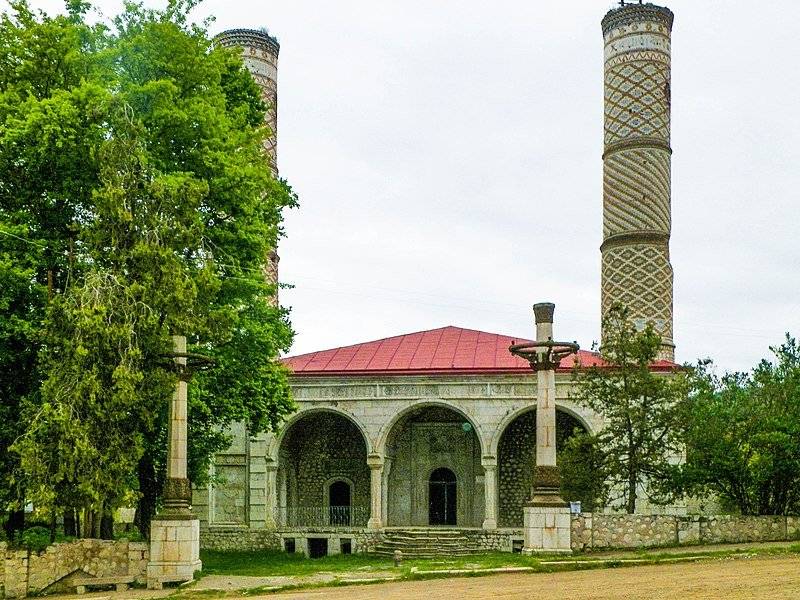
{"type": "Point", "coordinates": [629, 13]}
{"type": "Point", "coordinates": [251, 38]}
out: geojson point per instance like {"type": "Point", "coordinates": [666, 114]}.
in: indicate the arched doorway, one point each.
{"type": "Point", "coordinates": [516, 459]}
{"type": "Point", "coordinates": [426, 438]}
{"type": "Point", "coordinates": [442, 497]}
{"type": "Point", "coordinates": [339, 503]}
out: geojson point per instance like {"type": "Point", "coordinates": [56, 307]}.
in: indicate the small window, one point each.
{"type": "Point", "coordinates": [346, 545]}
{"type": "Point", "coordinates": [289, 545]}
{"type": "Point", "coordinates": [516, 546]}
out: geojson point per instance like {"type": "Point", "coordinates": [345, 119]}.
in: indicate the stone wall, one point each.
{"type": "Point", "coordinates": [599, 531]}
{"type": "Point", "coordinates": [239, 539]}
{"type": "Point", "coordinates": [54, 569]}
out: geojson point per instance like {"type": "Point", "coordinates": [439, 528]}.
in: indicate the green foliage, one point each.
{"type": "Point", "coordinates": [135, 204]}
{"type": "Point", "coordinates": [584, 472]}
{"type": "Point", "coordinates": [743, 436]}
{"type": "Point", "coordinates": [35, 539]}
{"type": "Point", "coordinates": [641, 410]}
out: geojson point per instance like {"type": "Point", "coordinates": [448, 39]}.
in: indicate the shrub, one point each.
{"type": "Point", "coordinates": [35, 539]}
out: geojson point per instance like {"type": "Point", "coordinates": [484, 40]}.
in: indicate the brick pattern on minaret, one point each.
{"type": "Point", "coordinates": [260, 55]}
{"type": "Point", "coordinates": [636, 269]}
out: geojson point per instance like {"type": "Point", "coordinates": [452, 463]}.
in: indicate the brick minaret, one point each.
{"type": "Point", "coordinates": [260, 53]}
{"type": "Point", "coordinates": [636, 269]}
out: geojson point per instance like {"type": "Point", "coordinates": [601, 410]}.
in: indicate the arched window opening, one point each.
{"type": "Point", "coordinates": [339, 503]}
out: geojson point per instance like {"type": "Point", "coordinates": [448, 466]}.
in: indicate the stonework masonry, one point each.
{"type": "Point", "coordinates": [23, 574]}
{"type": "Point", "coordinates": [600, 531]}
{"type": "Point", "coordinates": [637, 221]}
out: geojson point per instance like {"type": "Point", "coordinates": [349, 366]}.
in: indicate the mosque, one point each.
{"type": "Point", "coordinates": [435, 430]}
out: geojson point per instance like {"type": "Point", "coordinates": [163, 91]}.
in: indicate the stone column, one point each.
{"type": "Point", "coordinates": [387, 468]}
{"type": "Point", "coordinates": [272, 517]}
{"type": "Point", "coordinates": [178, 424]}
{"type": "Point", "coordinates": [175, 531]}
{"type": "Point", "coordinates": [257, 501]}
{"type": "Point", "coordinates": [489, 464]}
{"type": "Point", "coordinates": [375, 463]}
{"type": "Point", "coordinates": [547, 516]}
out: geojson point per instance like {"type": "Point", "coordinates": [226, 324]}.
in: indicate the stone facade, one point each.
{"type": "Point", "coordinates": [637, 223]}
{"type": "Point", "coordinates": [600, 531]}
{"type": "Point", "coordinates": [395, 418]}
{"type": "Point", "coordinates": [54, 570]}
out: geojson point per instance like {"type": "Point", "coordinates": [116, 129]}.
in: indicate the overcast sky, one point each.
{"type": "Point", "coordinates": [448, 161]}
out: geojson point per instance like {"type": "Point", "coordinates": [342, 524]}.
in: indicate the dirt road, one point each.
{"type": "Point", "coordinates": [756, 578]}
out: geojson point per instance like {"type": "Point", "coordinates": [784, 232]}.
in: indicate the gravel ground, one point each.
{"type": "Point", "coordinates": [763, 578]}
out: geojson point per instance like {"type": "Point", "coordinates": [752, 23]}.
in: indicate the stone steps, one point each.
{"type": "Point", "coordinates": [426, 542]}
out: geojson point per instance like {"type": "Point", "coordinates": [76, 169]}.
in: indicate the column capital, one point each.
{"type": "Point", "coordinates": [489, 462]}
{"type": "Point", "coordinates": [375, 461]}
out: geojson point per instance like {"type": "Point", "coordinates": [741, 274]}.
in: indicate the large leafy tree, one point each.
{"type": "Point", "coordinates": [743, 436]}
{"type": "Point", "coordinates": [641, 409]}
{"type": "Point", "coordinates": [133, 175]}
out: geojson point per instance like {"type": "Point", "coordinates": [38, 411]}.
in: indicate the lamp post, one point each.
{"type": "Point", "coordinates": [546, 515]}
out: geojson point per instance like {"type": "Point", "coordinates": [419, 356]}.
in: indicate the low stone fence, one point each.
{"type": "Point", "coordinates": [23, 573]}
{"type": "Point", "coordinates": [601, 531]}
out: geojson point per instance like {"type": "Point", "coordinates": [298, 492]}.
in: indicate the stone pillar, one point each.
{"type": "Point", "coordinates": [257, 501]}
{"type": "Point", "coordinates": [375, 463]}
{"type": "Point", "coordinates": [175, 531]}
{"type": "Point", "coordinates": [387, 469]}
{"type": "Point", "coordinates": [272, 516]}
{"type": "Point", "coordinates": [178, 425]}
{"type": "Point", "coordinates": [489, 464]}
{"type": "Point", "coordinates": [546, 517]}
{"type": "Point", "coordinates": [637, 213]}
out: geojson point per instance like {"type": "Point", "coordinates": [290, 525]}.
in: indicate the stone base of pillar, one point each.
{"type": "Point", "coordinates": [174, 550]}
{"type": "Point", "coordinates": [374, 524]}
{"type": "Point", "coordinates": [489, 524]}
{"type": "Point", "coordinates": [548, 528]}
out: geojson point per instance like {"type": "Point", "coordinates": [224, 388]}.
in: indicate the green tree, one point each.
{"type": "Point", "coordinates": [743, 436]}
{"type": "Point", "coordinates": [584, 472]}
{"type": "Point", "coordinates": [641, 409]}
{"type": "Point", "coordinates": [131, 155]}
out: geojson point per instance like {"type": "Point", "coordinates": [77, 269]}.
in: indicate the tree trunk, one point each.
{"type": "Point", "coordinates": [15, 523]}
{"type": "Point", "coordinates": [53, 525]}
{"type": "Point", "coordinates": [631, 507]}
{"type": "Point", "coordinates": [107, 525]}
{"type": "Point", "coordinates": [149, 489]}
{"type": "Point", "coordinates": [70, 525]}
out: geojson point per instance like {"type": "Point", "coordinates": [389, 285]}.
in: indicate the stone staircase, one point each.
{"type": "Point", "coordinates": [426, 542]}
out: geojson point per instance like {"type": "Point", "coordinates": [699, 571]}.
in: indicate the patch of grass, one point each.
{"type": "Point", "coordinates": [269, 563]}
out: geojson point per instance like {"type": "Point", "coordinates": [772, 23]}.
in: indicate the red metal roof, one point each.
{"type": "Point", "coordinates": [444, 351]}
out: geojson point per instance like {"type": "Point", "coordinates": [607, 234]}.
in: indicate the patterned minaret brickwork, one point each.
{"type": "Point", "coordinates": [260, 54]}
{"type": "Point", "coordinates": [636, 269]}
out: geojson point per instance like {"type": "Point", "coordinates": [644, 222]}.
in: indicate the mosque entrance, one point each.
{"type": "Point", "coordinates": [442, 507]}
{"type": "Point", "coordinates": [339, 503]}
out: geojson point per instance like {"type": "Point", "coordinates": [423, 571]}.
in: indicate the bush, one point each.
{"type": "Point", "coordinates": [35, 539]}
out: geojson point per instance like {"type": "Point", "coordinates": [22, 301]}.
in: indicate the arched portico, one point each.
{"type": "Point", "coordinates": [422, 444]}
{"type": "Point", "coordinates": [516, 459]}
{"type": "Point", "coordinates": [385, 431]}
{"type": "Point", "coordinates": [498, 432]}
{"type": "Point", "coordinates": [319, 452]}
{"type": "Point", "coordinates": [276, 440]}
